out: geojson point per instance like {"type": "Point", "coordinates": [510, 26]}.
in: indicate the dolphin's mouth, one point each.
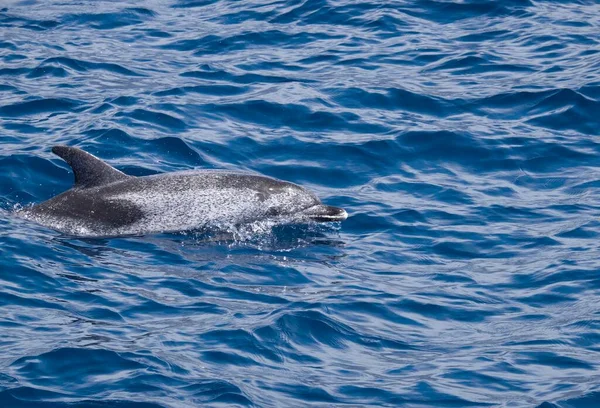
{"type": "Point", "coordinates": [325, 213]}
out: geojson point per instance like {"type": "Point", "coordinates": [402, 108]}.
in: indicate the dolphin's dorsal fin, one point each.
{"type": "Point", "coordinates": [89, 170]}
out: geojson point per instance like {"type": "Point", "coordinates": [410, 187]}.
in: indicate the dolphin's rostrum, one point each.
{"type": "Point", "coordinates": [105, 202]}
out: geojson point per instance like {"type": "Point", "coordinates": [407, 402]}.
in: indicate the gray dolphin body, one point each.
{"type": "Point", "coordinates": [105, 202]}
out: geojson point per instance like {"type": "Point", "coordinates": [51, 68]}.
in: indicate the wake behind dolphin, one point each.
{"type": "Point", "coordinates": [105, 202]}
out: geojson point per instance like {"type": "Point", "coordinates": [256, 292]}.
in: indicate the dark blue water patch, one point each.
{"type": "Point", "coordinates": [9, 20]}
{"type": "Point", "coordinates": [450, 12]}
{"type": "Point", "coordinates": [313, 174]}
{"type": "Point", "coordinates": [592, 91]}
{"type": "Point", "coordinates": [306, 393]}
{"type": "Point", "coordinates": [463, 149]}
{"type": "Point", "coordinates": [485, 381]}
{"type": "Point", "coordinates": [394, 99]}
{"type": "Point", "coordinates": [13, 71]}
{"type": "Point", "coordinates": [108, 21]}
{"type": "Point", "coordinates": [471, 64]}
{"type": "Point", "coordinates": [442, 312]}
{"type": "Point", "coordinates": [9, 88]}
{"type": "Point", "coordinates": [385, 25]}
{"type": "Point", "coordinates": [540, 157]}
{"type": "Point", "coordinates": [209, 73]}
{"type": "Point", "coordinates": [587, 401]}
{"type": "Point", "coordinates": [224, 358]}
{"type": "Point", "coordinates": [574, 23]}
{"type": "Point", "coordinates": [28, 302]}
{"type": "Point", "coordinates": [589, 52]}
{"type": "Point", "coordinates": [47, 71]}
{"type": "Point", "coordinates": [101, 108]}
{"type": "Point", "coordinates": [542, 279]}
{"type": "Point", "coordinates": [220, 90]}
{"type": "Point", "coordinates": [124, 101]}
{"type": "Point", "coordinates": [156, 33]}
{"type": "Point", "coordinates": [432, 191]}
{"type": "Point", "coordinates": [7, 45]}
{"type": "Point", "coordinates": [551, 359]}
{"type": "Point", "coordinates": [363, 63]}
{"type": "Point", "coordinates": [540, 300]}
{"type": "Point", "coordinates": [311, 327]}
{"type": "Point", "coordinates": [211, 43]}
{"type": "Point", "coordinates": [563, 98]}
{"type": "Point", "coordinates": [489, 35]}
{"type": "Point", "coordinates": [84, 66]}
{"type": "Point", "coordinates": [106, 363]}
{"type": "Point", "coordinates": [192, 3]}
{"type": "Point", "coordinates": [372, 395]}
{"type": "Point", "coordinates": [14, 57]}
{"type": "Point", "coordinates": [580, 232]}
{"type": "Point", "coordinates": [40, 106]}
{"type": "Point", "coordinates": [164, 120]}
{"type": "Point", "coordinates": [24, 128]}
{"type": "Point", "coordinates": [240, 17]}
{"type": "Point", "coordinates": [299, 117]}
{"type": "Point", "coordinates": [176, 149]}
{"type": "Point", "coordinates": [95, 363]}
{"type": "Point", "coordinates": [570, 109]}
{"type": "Point", "coordinates": [150, 307]}
{"type": "Point", "coordinates": [575, 117]}
{"type": "Point", "coordinates": [241, 341]}
{"type": "Point", "coordinates": [270, 65]}
{"type": "Point", "coordinates": [375, 310]}
{"type": "Point", "coordinates": [319, 58]}
{"type": "Point", "coordinates": [25, 396]}
{"type": "Point", "coordinates": [46, 173]}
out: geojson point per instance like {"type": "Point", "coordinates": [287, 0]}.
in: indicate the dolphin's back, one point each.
{"type": "Point", "coordinates": [106, 202]}
{"type": "Point", "coordinates": [160, 203]}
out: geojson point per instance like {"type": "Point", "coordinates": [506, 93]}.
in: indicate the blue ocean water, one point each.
{"type": "Point", "coordinates": [462, 137]}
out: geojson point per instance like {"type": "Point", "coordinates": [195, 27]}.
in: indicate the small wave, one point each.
{"type": "Point", "coordinates": [395, 99]}
{"type": "Point", "coordinates": [193, 3]}
{"type": "Point", "coordinates": [45, 105]}
{"type": "Point", "coordinates": [219, 90]}
{"type": "Point", "coordinates": [109, 21]}
{"type": "Point", "coordinates": [7, 45]}
{"type": "Point", "coordinates": [211, 74]}
{"type": "Point", "coordinates": [449, 12]}
{"type": "Point", "coordinates": [590, 399]}
{"type": "Point", "coordinates": [211, 43]}
{"type": "Point", "coordinates": [47, 71]}
{"type": "Point", "coordinates": [84, 66]}
{"type": "Point", "coordinates": [11, 20]}
{"type": "Point", "coordinates": [156, 118]}
{"type": "Point", "coordinates": [298, 117]}
{"type": "Point", "coordinates": [470, 64]}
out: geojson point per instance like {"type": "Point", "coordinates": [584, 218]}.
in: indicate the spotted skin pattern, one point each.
{"type": "Point", "coordinates": [171, 202]}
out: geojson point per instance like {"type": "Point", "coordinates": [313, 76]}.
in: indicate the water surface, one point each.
{"type": "Point", "coordinates": [461, 137]}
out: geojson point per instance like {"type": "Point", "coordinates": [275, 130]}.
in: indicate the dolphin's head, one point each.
{"type": "Point", "coordinates": [284, 199]}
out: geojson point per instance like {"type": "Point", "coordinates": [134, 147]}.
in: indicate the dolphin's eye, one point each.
{"type": "Point", "coordinates": [272, 212]}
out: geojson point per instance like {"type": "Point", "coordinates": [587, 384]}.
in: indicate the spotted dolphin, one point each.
{"type": "Point", "coordinates": [104, 202]}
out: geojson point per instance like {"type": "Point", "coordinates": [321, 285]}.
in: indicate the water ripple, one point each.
{"type": "Point", "coordinates": [461, 137]}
